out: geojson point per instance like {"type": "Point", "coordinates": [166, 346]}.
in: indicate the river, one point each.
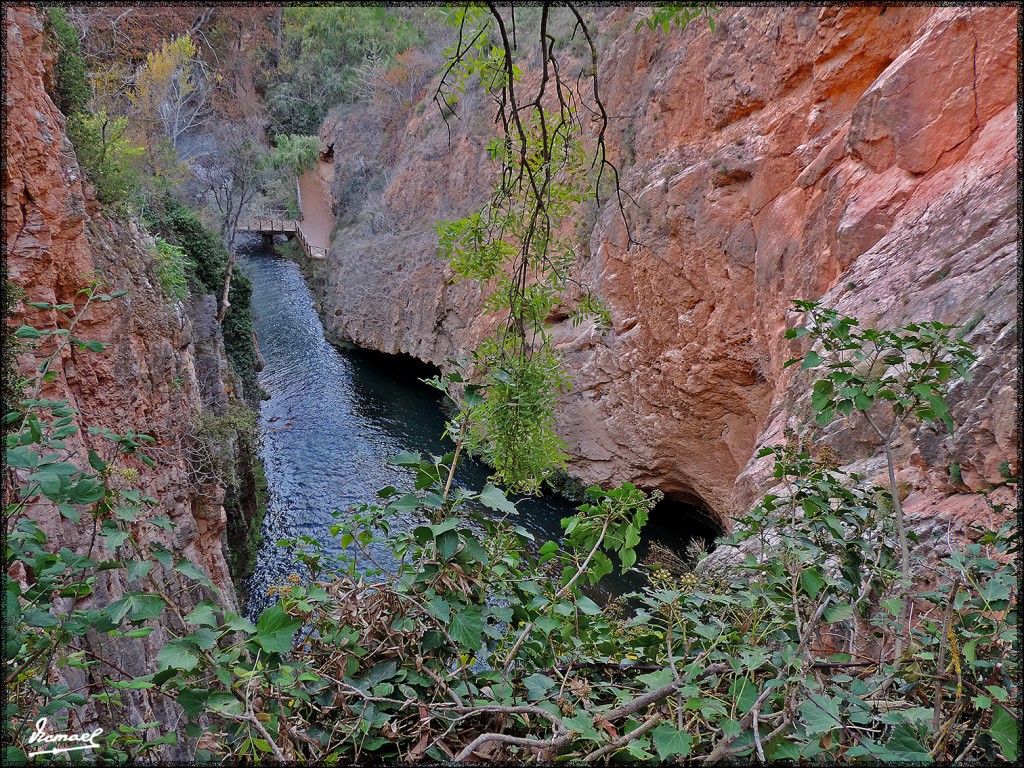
{"type": "Point", "coordinates": [334, 418]}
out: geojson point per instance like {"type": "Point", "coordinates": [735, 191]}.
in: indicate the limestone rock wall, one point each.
{"type": "Point", "coordinates": [152, 376]}
{"type": "Point", "coordinates": [862, 156]}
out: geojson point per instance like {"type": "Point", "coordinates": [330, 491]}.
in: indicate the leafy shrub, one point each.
{"type": "Point", "coordinates": [171, 264]}
{"type": "Point", "coordinates": [72, 81]}
{"type": "Point", "coordinates": [109, 158]}
{"type": "Point", "coordinates": [208, 260]}
{"type": "Point", "coordinates": [322, 49]}
{"type": "Point", "coordinates": [213, 443]}
{"type": "Point", "coordinates": [294, 153]}
{"type": "Point", "coordinates": [450, 641]}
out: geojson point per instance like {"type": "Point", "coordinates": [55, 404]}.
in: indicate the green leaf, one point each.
{"type": "Point", "coordinates": [177, 654]}
{"type": "Point", "coordinates": [34, 617]}
{"type": "Point", "coordinates": [811, 360]}
{"type": "Point", "coordinates": [405, 459]}
{"type": "Point", "coordinates": [837, 613]}
{"type": "Point", "coordinates": [820, 714]}
{"type": "Point", "coordinates": [811, 582]}
{"type": "Point", "coordinates": [439, 608]}
{"type": "Point", "coordinates": [236, 623]}
{"type": "Point", "coordinates": [467, 627]}
{"type": "Point", "coordinates": [203, 615]}
{"type": "Point", "coordinates": [863, 401]}
{"type": "Point", "coordinates": [493, 498]}
{"type": "Point", "coordinates": [588, 606]}
{"type": "Point", "coordinates": [193, 700]}
{"type": "Point", "coordinates": [48, 481]}
{"type": "Point", "coordinates": [163, 556]}
{"type": "Point", "coordinates": [27, 332]}
{"type": "Point", "coordinates": [186, 568]}
{"type": "Point", "coordinates": [447, 544]}
{"type": "Point", "coordinates": [1005, 732]}
{"type": "Point", "coordinates": [137, 569]}
{"type": "Point", "coordinates": [137, 606]}
{"type": "Point", "coordinates": [92, 345]}
{"type": "Point", "coordinates": [998, 692]}
{"type": "Point", "coordinates": [668, 741]}
{"type": "Point", "coordinates": [905, 747]}
{"type": "Point", "coordinates": [96, 462]}
{"type": "Point", "coordinates": [221, 701]}
{"type": "Point", "coordinates": [537, 686]}
{"type": "Point", "coordinates": [408, 503]}
{"type": "Point", "coordinates": [473, 548]}
{"type": "Point", "coordinates": [275, 629]}
{"type": "Point", "coordinates": [656, 679]}
{"type": "Point", "coordinates": [22, 457]}
{"type": "Point", "coordinates": [68, 511]}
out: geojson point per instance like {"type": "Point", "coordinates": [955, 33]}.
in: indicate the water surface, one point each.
{"type": "Point", "coordinates": [335, 417]}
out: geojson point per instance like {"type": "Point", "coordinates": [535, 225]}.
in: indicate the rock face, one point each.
{"type": "Point", "coordinates": [863, 157]}
{"type": "Point", "coordinates": [56, 242]}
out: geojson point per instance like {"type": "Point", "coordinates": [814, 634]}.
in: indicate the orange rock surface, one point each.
{"type": "Point", "coordinates": [861, 156]}
{"type": "Point", "coordinates": [55, 242]}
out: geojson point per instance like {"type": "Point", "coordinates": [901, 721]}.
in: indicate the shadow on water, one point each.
{"type": "Point", "coordinates": [334, 418]}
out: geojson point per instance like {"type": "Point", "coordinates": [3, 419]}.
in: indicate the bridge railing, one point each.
{"type": "Point", "coordinates": [312, 251]}
{"type": "Point", "coordinates": [272, 221]}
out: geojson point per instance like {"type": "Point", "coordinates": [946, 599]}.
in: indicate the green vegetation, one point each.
{"type": "Point", "coordinates": [245, 531]}
{"type": "Point", "coordinates": [208, 261]}
{"type": "Point", "coordinates": [171, 264]}
{"type": "Point", "coordinates": [956, 475]}
{"type": "Point", "coordinates": [294, 154]}
{"type": "Point", "coordinates": [887, 377]}
{"type": "Point", "coordinates": [322, 49]}
{"type": "Point", "coordinates": [514, 246]}
{"type": "Point", "coordinates": [477, 644]}
{"type": "Point", "coordinates": [72, 81]}
{"type": "Point", "coordinates": [669, 15]}
{"type": "Point", "coordinates": [223, 452]}
{"type": "Point", "coordinates": [473, 649]}
{"type": "Point", "coordinates": [110, 159]}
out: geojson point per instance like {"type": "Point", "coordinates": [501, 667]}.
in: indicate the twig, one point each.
{"type": "Point", "coordinates": [640, 730]}
{"type": "Point", "coordinates": [943, 640]}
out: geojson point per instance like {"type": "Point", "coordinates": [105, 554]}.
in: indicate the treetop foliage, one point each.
{"type": "Point", "coordinates": [322, 48]}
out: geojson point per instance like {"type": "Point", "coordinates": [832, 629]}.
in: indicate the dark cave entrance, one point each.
{"type": "Point", "coordinates": [679, 526]}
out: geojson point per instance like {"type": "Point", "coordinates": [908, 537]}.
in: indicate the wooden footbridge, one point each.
{"type": "Point", "coordinates": [268, 226]}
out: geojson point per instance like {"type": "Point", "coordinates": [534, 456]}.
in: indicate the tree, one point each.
{"type": "Point", "coordinates": [172, 91]}
{"type": "Point", "coordinates": [320, 52]}
{"type": "Point", "coordinates": [294, 154]}
{"type": "Point", "coordinates": [109, 158]}
{"type": "Point", "coordinates": [73, 89]}
{"type": "Point", "coordinates": [231, 177]}
{"type": "Point", "coordinates": [887, 377]}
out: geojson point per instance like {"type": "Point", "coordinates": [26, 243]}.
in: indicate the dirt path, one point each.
{"type": "Point", "coordinates": [317, 220]}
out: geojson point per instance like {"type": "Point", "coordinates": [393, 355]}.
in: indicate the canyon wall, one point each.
{"type": "Point", "coordinates": [164, 362]}
{"type": "Point", "coordinates": [864, 157]}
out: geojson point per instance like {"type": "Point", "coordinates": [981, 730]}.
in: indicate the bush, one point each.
{"type": "Point", "coordinates": [466, 645]}
{"type": "Point", "coordinates": [109, 159]}
{"type": "Point", "coordinates": [73, 90]}
{"type": "Point", "coordinates": [207, 264]}
{"type": "Point", "coordinates": [170, 265]}
{"type": "Point", "coordinates": [322, 51]}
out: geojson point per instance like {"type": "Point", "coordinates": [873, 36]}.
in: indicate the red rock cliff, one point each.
{"type": "Point", "coordinates": [862, 156]}
{"type": "Point", "coordinates": [55, 242]}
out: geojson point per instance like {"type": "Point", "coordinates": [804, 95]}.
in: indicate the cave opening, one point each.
{"type": "Point", "coordinates": [679, 527]}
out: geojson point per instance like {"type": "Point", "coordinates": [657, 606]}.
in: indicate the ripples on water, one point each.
{"type": "Point", "coordinates": [333, 419]}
